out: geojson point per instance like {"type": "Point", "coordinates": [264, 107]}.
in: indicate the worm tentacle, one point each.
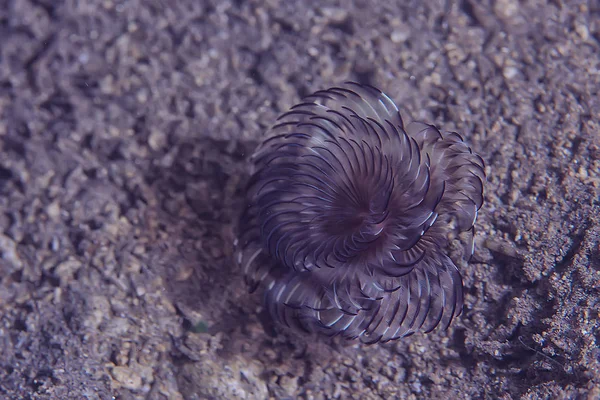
{"type": "Point", "coordinates": [348, 213]}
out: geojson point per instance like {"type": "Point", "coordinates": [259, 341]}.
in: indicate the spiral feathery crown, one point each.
{"type": "Point", "coordinates": [348, 215]}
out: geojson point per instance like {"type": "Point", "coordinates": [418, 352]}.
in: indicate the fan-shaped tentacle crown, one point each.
{"type": "Point", "coordinates": [348, 215]}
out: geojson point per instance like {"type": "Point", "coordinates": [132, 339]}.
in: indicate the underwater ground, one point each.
{"type": "Point", "coordinates": [124, 132]}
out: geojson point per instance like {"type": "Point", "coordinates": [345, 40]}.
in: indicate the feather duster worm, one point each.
{"type": "Point", "coordinates": [348, 215]}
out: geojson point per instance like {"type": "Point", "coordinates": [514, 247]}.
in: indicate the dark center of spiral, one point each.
{"type": "Point", "coordinates": [360, 225]}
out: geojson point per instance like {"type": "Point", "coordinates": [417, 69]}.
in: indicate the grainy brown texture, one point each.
{"type": "Point", "coordinates": [124, 128]}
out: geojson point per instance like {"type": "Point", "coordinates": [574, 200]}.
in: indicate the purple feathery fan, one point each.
{"type": "Point", "coordinates": [348, 214]}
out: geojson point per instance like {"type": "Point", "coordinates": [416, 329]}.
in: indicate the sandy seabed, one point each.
{"type": "Point", "coordinates": [124, 133]}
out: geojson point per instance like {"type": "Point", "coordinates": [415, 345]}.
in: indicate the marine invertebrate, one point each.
{"type": "Point", "coordinates": [348, 215]}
